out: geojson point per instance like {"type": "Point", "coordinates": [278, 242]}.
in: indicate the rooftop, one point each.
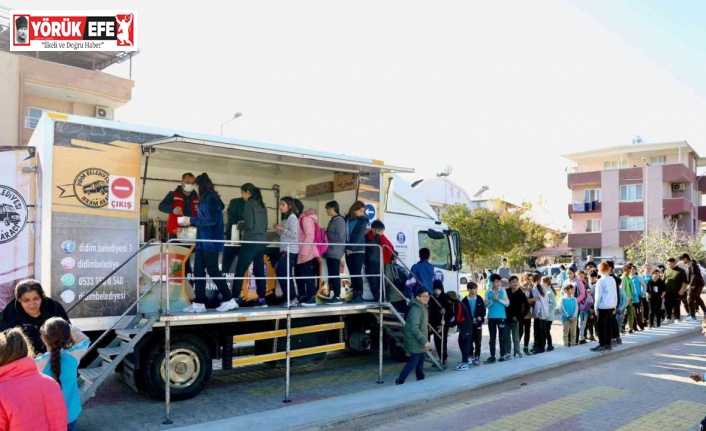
{"type": "Point", "coordinates": [627, 149]}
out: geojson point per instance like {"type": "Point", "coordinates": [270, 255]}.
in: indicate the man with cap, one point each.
{"type": "Point", "coordinates": [21, 25]}
{"type": "Point", "coordinates": [376, 237]}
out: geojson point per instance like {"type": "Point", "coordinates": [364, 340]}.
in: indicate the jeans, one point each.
{"type": "Point", "coordinates": [604, 326]}
{"type": "Point", "coordinates": [695, 301]}
{"type": "Point", "coordinates": [354, 261]}
{"type": "Point", "coordinates": [548, 332]}
{"type": "Point", "coordinates": [333, 266]}
{"type": "Point", "coordinates": [307, 270]}
{"type": "Point", "coordinates": [72, 426]}
{"type": "Point", "coordinates": [476, 339]}
{"type": "Point", "coordinates": [672, 305]}
{"type": "Point", "coordinates": [513, 336]}
{"type": "Point", "coordinates": [281, 271]}
{"type": "Point", "coordinates": [207, 261]}
{"type": "Point", "coordinates": [416, 363]}
{"type": "Point", "coordinates": [539, 336]}
{"type": "Point", "coordinates": [464, 345]}
{"type": "Point", "coordinates": [619, 321]}
{"type": "Point", "coordinates": [497, 329]}
{"type": "Point", "coordinates": [251, 253]}
{"type": "Point", "coordinates": [525, 326]}
{"type": "Point", "coordinates": [655, 309]}
{"type": "Point", "coordinates": [229, 256]}
{"type": "Point", "coordinates": [583, 319]}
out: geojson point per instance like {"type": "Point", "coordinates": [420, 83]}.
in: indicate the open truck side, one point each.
{"type": "Point", "coordinates": [94, 179]}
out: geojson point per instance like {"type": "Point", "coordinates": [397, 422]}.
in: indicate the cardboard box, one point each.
{"type": "Point", "coordinates": [343, 181]}
{"type": "Point", "coordinates": [319, 189]}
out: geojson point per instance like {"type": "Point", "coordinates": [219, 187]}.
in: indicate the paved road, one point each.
{"type": "Point", "coordinates": [649, 390]}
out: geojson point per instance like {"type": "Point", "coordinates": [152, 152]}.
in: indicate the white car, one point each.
{"type": "Point", "coordinates": [464, 278]}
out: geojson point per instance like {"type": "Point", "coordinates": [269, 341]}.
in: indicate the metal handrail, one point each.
{"type": "Point", "coordinates": [119, 267]}
{"type": "Point", "coordinates": [137, 301]}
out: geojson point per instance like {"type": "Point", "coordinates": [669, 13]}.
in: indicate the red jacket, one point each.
{"type": "Point", "coordinates": [30, 401]}
{"type": "Point", "coordinates": [176, 199]}
{"type": "Point", "coordinates": [386, 251]}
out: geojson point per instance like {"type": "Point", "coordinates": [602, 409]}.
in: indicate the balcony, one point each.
{"type": "Point", "coordinates": [677, 173]}
{"type": "Point", "coordinates": [631, 209]}
{"type": "Point", "coordinates": [584, 179]}
{"type": "Point", "coordinates": [702, 213]}
{"type": "Point", "coordinates": [627, 238]}
{"type": "Point", "coordinates": [589, 208]}
{"type": "Point", "coordinates": [702, 184]}
{"type": "Point", "coordinates": [585, 240]}
{"type": "Point", "coordinates": [676, 206]}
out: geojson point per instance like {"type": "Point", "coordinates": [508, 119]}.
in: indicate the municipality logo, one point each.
{"type": "Point", "coordinates": [13, 214]}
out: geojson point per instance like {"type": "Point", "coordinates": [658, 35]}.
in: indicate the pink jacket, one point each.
{"type": "Point", "coordinates": [30, 401]}
{"type": "Point", "coordinates": [307, 222]}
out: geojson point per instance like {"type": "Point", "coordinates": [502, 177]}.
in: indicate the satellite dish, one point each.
{"type": "Point", "coordinates": [637, 140]}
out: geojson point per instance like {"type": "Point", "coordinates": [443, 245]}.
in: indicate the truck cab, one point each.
{"type": "Point", "coordinates": [8, 215]}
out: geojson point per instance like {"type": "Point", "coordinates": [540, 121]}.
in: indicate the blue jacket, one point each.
{"type": "Point", "coordinates": [209, 223]}
{"type": "Point", "coordinates": [423, 272]}
{"type": "Point", "coordinates": [496, 305]}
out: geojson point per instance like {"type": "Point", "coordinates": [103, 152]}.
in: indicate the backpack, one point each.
{"type": "Point", "coordinates": [320, 237]}
{"type": "Point", "coordinates": [372, 254]}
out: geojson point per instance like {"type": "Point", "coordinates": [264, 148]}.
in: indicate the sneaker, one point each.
{"type": "Point", "coordinates": [619, 341]}
{"type": "Point", "coordinates": [583, 342]}
{"type": "Point", "coordinates": [356, 300]}
{"type": "Point", "coordinates": [476, 361]}
{"type": "Point", "coordinates": [462, 367]}
{"type": "Point", "coordinates": [293, 303]}
{"type": "Point", "coordinates": [550, 349]}
{"type": "Point", "coordinates": [195, 307]}
{"type": "Point", "coordinates": [399, 382]}
{"type": "Point", "coordinates": [508, 357]}
{"type": "Point", "coordinates": [527, 351]}
{"type": "Point", "coordinates": [631, 331]}
{"type": "Point", "coordinates": [518, 355]}
{"type": "Point", "coordinates": [261, 303]}
{"type": "Point", "coordinates": [227, 306]}
{"type": "Point", "coordinates": [596, 349]}
{"type": "Point", "coordinates": [310, 303]}
{"type": "Point", "coordinates": [334, 301]}
{"type": "Point", "coordinates": [490, 360]}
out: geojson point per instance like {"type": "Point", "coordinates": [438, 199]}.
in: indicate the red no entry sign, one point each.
{"type": "Point", "coordinates": [121, 188]}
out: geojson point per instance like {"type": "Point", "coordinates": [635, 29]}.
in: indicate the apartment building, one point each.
{"type": "Point", "coordinates": [66, 82]}
{"type": "Point", "coordinates": [621, 192]}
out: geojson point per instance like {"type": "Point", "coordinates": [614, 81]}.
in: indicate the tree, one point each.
{"type": "Point", "coordinates": [661, 243]}
{"type": "Point", "coordinates": [487, 235]}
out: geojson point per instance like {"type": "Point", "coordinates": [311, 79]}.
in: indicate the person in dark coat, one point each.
{"type": "Point", "coordinates": [29, 310]}
{"type": "Point", "coordinates": [440, 313]}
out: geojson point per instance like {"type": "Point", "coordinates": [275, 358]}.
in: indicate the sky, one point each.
{"type": "Point", "coordinates": [497, 90]}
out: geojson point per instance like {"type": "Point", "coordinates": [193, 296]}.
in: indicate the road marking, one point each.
{"type": "Point", "coordinates": [554, 411]}
{"type": "Point", "coordinates": [677, 416]}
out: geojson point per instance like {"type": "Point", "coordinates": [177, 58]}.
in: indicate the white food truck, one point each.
{"type": "Point", "coordinates": [81, 209]}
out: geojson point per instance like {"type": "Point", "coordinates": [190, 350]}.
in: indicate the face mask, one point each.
{"type": "Point", "coordinates": [188, 188]}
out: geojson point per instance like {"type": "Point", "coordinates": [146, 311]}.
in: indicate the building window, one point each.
{"type": "Point", "coordinates": [632, 223]}
{"type": "Point", "coordinates": [631, 192]}
{"type": "Point", "coordinates": [32, 118]}
{"type": "Point", "coordinates": [659, 160]}
{"type": "Point", "coordinates": [615, 164]}
{"type": "Point", "coordinates": [593, 252]}
{"type": "Point", "coordinates": [593, 225]}
{"type": "Point", "coordinates": [590, 195]}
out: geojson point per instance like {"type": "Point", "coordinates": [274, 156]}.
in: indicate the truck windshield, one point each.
{"type": "Point", "coordinates": [440, 250]}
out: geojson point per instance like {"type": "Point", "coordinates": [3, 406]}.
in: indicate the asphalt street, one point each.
{"type": "Point", "coordinates": [648, 390]}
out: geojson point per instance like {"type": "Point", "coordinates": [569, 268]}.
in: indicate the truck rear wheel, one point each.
{"type": "Point", "coordinates": [190, 368]}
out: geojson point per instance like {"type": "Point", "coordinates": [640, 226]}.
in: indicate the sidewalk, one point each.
{"type": "Point", "coordinates": [360, 408]}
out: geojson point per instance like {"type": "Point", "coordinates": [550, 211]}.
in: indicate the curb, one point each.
{"type": "Point", "coordinates": [369, 408]}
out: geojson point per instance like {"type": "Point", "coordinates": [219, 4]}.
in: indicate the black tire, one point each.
{"type": "Point", "coordinates": [463, 281]}
{"type": "Point", "coordinates": [191, 364]}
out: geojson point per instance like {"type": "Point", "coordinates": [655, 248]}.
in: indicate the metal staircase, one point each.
{"type": "Point", "coordinates": [91, 377]}
{"type": "Point", "coordinates": [393, 323]}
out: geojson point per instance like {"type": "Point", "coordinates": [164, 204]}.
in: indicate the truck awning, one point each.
{"type": "Point", "coordinates": [268, 153]}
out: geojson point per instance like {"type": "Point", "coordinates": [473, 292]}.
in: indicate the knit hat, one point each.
{"type": "Point", "coordinates": [21, 22]}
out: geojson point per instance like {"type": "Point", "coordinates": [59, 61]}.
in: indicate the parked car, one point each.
{"type": "Point", "coordinates": [552, 271]}
{"type": "Point", "coordinates": [464, 278]}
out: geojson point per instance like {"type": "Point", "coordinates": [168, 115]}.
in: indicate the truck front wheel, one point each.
{"type": "Point", "coordinates": [190, 368]}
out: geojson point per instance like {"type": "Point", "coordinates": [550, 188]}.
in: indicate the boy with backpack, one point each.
{"type": "Point", "coordinates": [476, 308]}
{"type": "Point", "coordinates": [461, 319]}
{"type": "Point", "coordinates": [376, 236]}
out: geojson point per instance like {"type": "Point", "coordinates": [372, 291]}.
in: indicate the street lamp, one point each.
{"type": "Point", "coordinates": [645, 217]}
{"type": "Point", "coordinates": [236, 115]}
